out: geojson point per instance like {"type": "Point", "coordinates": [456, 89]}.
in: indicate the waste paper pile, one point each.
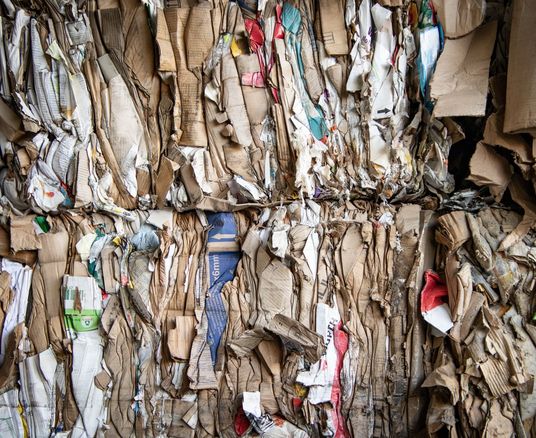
{"type": "Point", "coordinates": [273, 218]}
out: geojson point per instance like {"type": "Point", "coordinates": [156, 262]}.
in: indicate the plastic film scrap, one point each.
{"type": "Point", "coordinates": [267, 218]}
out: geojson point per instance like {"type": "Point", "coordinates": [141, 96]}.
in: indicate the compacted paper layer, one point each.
{"type": "Point", "coordinates": [307, 218]}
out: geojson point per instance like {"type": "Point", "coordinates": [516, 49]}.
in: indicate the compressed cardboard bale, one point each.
{"type": "Point", "coordinates": [266, 218]}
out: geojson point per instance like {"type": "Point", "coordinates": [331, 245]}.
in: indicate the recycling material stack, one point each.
{"type": "Point", "coordinates": [273, 218]}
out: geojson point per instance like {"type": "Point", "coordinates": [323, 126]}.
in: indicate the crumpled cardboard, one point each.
{"type": "Point", "coordinates": [483, 326]}
{"type": "Point", "coordinates": [460, 81]}
{"type": "Point", "coordinates": [490, 169]}
{"type": "Point", "coordinates": [273, 218]}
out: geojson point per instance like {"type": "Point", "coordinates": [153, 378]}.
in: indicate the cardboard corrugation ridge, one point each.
{"type": "Point", "coordinates": [270, 218]}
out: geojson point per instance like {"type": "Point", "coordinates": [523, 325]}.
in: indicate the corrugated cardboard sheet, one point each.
{"type": "Point", "coordinates": [269, 218]}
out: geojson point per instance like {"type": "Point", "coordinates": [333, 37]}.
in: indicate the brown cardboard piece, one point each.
{"type": "Point", "coordinates": [459, 17]}
{"type": "Point", "coordinates": [180, 338]}
{"type": "Point", "coordinates": [460, 81]}
{"type": "Point", "coordinates": [164, 178]}
{"type": "Point", "coordinates": [10, 123]}
{"type": "Point", "coordinates": [27, 257]}
{"type": "Point", "coordinates": [239, 129]}
{"type": "Point", "coordinates": [166, 57]}
{"type": "Point", "coordinates": [445, 375]}
{"type": "Point", "coordinates": [190, 88]}
{"type": "Point", "coordinates": [275, 289]}
{"type": "Point", "coordinates": [488, 168]}
{"type": "Point", "coordinates": [198, 36]}
{"type": "Point", "coordinates": [296, 337]}
{"type": "Point", "coordinates": [23, 236]}
{"type": "Point", "coordinates": [140, 279]}
{"type": "Point", "coordinates": [47, 278]}
{"type": "Point", "coordinates": [118, 356]}
{"type": "Point", "coordinates": [333, 27]}
{"type": "Point", "coordinates": [516, 143]}
{"type": "Point", "coordinates": [452, 230]}
{"type": "Point", "coordinates": [520, 91]}
{"type": "Point", "coordinates": [525, 199]}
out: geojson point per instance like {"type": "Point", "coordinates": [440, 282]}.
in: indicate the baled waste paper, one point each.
{"type": "Point", "coordinates": [274, 218]}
